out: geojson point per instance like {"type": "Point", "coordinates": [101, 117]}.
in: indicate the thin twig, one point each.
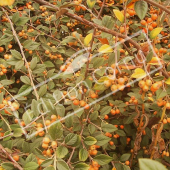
{"type": "Point", "coordinates": [22, 52]}
{"type": "Point", "coordinates": [158, 5]}
{"type": "Point", "coordinates": [10, 157]}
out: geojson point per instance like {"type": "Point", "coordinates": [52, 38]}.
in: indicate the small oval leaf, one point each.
{"type": "Point", "coordinates": [154, 33]}
{"type": "Point", "coordinates": [119, 15]}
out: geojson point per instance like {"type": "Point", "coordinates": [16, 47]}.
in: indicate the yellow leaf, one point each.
{"type": "Point", "coordinates": [157, 74]}
{"type": "Point", "coordinates": [119, 15]}
{"type": "Point", "coordinates": [139, 73]}
{"type": "Point", "coordinates": [154, 33]}
{"type": "Point", "coordinates": [87, 39]}
{"type": "Point", "coordinates": [151, 99]}
{"type": "Point", "coordinates": [105, 49]}
{"type": "Point", "coordinates": [91, 3]}
{"type": "Point", "coordinates": [155, 61]}
{"type": "Point", "coordinates": [6, 2]}
{"type": "Point", "coordinates": [168, 81]}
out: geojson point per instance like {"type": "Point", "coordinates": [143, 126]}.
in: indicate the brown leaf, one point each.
{"type": "Point", "coordinates": [103, 40]}
{"type": "Point", "coordinates": [61, 12]}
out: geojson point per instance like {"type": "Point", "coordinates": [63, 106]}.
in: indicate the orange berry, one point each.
{"type": "Point", "coordinates": [154, 16]}
{"type": "Point", "coordinates": [165, 121]}
{"type": "Point", "coordinates": [111, 143]}
{"type": "Point", "coordinates": [168, 105]}
{"type": "Point", "coordinates": [121, 127]}
{"type": "Point", "coordinates": [127, 163]}
{"type": "Point", "coordinates": [86, 107]}
{"type": "Point", "coordinates": [53, 144]}
{"type": "Point", "coordinates": [40, 161]}
{"type": "Point", "coordinates": [53, 117]}
{"type": "Point", "coordinates": [143, 22]}
{"type": "Point", "coordinates": [46, 140]}
{"type": "Point", "coordinates": [150, 28]}
{"type": "Point", "coordinates": [145, 88]}
{"type": "Point", "coordinates": [141, 83]}
{"type": "Point", "coordinates": [93, 95]}
{"type": "Point", "coordinates": [106, 117]}
{"type": "Point", "coordinates": [121, 81]}
{"type": "Point", "coordinates": [48, 152]}
{"type": "Point", "coordinates": [45, 145]}
{"type": "Point", "coordinates": [82, 103]}
{"type": "Point", "coordinates": [122, 29]}
{"type": "Point", "coordinates": [94, 152]}
{"type": "Point", "coordinates": [154, 24]}
{"type": "Point", "coordinates": [1, 49]}
{"type": "Point", "coordinates": [16, 157]}
{"type": "Point", "coordinates": [76, 102]}
{"type": "Point", "coordinates": [113, 112]}
{"type": "Point", "coordinates": [149, 20]}
{"type": "Point", "coordinates": [47, 122]}
{"type": "Point", "coordinates": [117, 111]}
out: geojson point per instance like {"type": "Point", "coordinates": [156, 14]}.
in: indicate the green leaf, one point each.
{"type": "Point", "coordinates": [98, 62]}
{"type": "Point", "coordinates": [16, 54]}
{"type": "Point", "coordinates": [154, 33]}
{"type": "Point", "coordinates": [30, 45]}
{"type": "Point", "coordinates": [39, 69]}
{"type": "Point", "coordinates": [25, 80]}
{"type": "Point", "coordinates": [121, 133]}
{"type": "Point", "coordinates": [47, 162]}
{"type": "Point", "coordinates": [31, 158]}
{"type": "Point", "coordinates": [149, 57]}
{"type": "Point", "coordinates": [1, 97]}
{"type": "Point", "coordinates": [61, 152]}
{"type": "Point", "coordinates": [160, 94]}
{"type": "Point", "coordinates": [102, 140]}
{"type": "Point", "coordinates": [31, 166]}
{"type": "Point", "coordinates": [71, 139]}
{"type": "Point", "coordinates": [42, 91]}
{"type": "Point", "coordinates": [18, 132]}
{"type": "Point", "coordinates": [103, 159]}
{"type": "Point", "coordinates": [34, 107]}
{"type": "Point", "coordinates": [81, 166]}
{"type": "Point", "coordinates": [56, 131]}
{"type": "Point", "coordinates": [15, 17]}
{"type": "Point", "coordinates": [62, 165]}
{"type": "Point", "coordinates": [33, 63]}
{"type": "Point", "coordinates": [141, 8]}
{"type": "Point", "coordinates": [148, 164]}
{"type": "Point", "coordinates": [108, 127]}
{"type": "Point", "coordinates": [6, 82]}
{"type": "Point", "coordinates": [27, 116]}
{"type": "Point", "coordinates": [25, 90]}
{"type": "Point", "coordinates": [21, 21]}
{"type": "Point", "coordinates": [125, 157]}
{"type": "Point", "coordinates": [83, 154]}
{"type": "Point", "coordinates": [105, 110]}
{"type": "Point", "coordinates": [7, 166]}
{"type": "Point", "coordinates": [19, 65]}
{"type": "Point", "coordinates": [49, 168]}
{"type": "Point", "coordinates": [90, 140]}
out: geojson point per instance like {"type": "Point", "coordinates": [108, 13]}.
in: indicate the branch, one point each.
{"type": "Point", "coordinates": [10, 157]}
{"type": "Point", "coordinates": [158, 5]}
{"type": "Point", "coordinates": [91, 24]}
{"type": "Point", "coordinates": [71, 155]}
{"type": "Point", "coordinates": [22, 52]}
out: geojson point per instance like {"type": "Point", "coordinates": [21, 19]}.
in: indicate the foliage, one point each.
{"type": "Point", "coordinates": [84, 85]}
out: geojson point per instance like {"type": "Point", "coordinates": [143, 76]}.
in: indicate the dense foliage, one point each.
{"type": "Point", "coordinates": [84, 85]}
